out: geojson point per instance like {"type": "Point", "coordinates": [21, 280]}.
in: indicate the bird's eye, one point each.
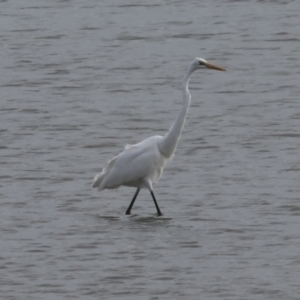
{"type": "Point", "coordinates": [200, 63]}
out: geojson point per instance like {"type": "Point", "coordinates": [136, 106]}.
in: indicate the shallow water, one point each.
{"type": "Point", "coordinates": [79, 80]}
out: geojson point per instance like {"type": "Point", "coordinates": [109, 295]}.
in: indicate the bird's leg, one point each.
{"type": "Point", "coordinates": [132, 201]}
{"type": "Point", "coordinates": [155, 202]}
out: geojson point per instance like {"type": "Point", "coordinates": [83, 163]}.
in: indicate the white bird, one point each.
{"type": "Point", "coordinates": [141, 165]}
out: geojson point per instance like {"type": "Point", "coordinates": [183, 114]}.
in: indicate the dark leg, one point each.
{"type": "Point", "coordinates": [155, 202]}
{"type": "Point", "coordinates": [132, 201]}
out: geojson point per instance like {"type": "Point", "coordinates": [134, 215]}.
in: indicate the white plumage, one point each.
{"type": "Point", "coordinates": [141, 165]}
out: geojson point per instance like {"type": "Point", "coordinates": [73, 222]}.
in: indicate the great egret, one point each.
{"type": "Point", "coordinates": [141, 165]}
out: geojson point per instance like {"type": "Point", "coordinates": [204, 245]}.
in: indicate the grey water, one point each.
{"type": "Point", "coordinates": [80, 79]}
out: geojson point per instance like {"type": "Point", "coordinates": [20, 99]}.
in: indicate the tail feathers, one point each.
{"type": "Point", "coordinates": [98, 179]}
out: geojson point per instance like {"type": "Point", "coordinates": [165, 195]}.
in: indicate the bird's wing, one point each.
{"type": "Point", "coordinates": [134, 163]}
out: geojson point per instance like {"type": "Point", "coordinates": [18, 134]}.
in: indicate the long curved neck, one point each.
{"type": "Point", "coordinates": [169, 142]}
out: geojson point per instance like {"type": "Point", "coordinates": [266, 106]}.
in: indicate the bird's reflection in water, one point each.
{"type": "Point", "coordinates": [154, 220]}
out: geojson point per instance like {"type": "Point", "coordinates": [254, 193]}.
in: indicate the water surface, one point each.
{"type": "Point", "coordinates": [79, 80]}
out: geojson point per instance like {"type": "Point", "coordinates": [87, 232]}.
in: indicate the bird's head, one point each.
{"type": "Point", "coordinates": [200, 63]}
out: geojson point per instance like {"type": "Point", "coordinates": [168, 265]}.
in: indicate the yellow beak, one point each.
{"type": "Point", "coordinates": [211, 66]}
